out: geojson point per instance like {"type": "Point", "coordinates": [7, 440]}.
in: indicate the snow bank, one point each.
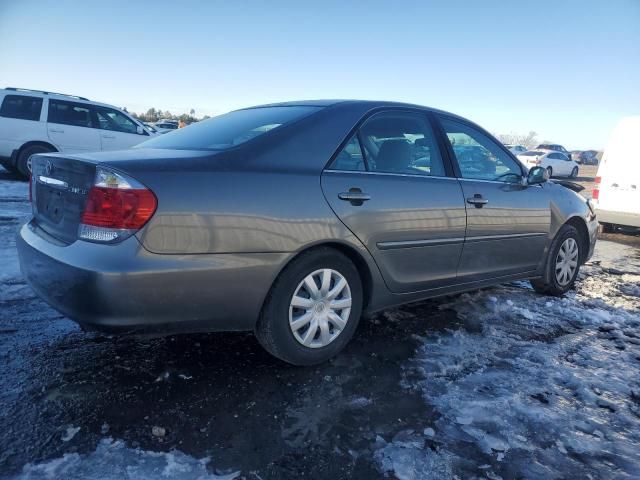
{"type": "Point", "coordinates": [533, 386]}
{"type": "Point", "coordinates": [112, 460]}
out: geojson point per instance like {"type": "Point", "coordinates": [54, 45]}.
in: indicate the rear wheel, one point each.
{"type": "Point", "coordinates": [23, 163]}
{"type": "Point", "coordinates": [562, 265]}
{"type": "Point", "coordinates": [313, 308]}
{"type": "Point", "coordinates": [574, 172]}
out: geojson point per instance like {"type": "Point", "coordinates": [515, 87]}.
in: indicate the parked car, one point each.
{"type": "Point", "coordinates": [151, 128]}
{"type": "Point", "coordinates": [166, 126]}
{"type": "Point", "coordinates": [556, 163]}
{"type": "Point", "coordinates": [516, 149]}
{"type": "Point", "coordinates": [575, 155]}
{"type": "Point", "coordinates": [553, 147]}
{"type": "Point", "coordinates": [589, 157]}
{"type": "Point", "coordinates": [617, 193]}
{"type": "Point", "coordinates": [34, 121]}
{"type": "Point", "coordinates": [292, 220]}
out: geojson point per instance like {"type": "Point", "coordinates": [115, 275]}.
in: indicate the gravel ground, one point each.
{"type": "Point", "coordinates": [501, 383]}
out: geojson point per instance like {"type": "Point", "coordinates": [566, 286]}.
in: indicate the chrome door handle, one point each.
{"type": "Point", "coordinates": [108, 136]}
{"type": "Point", "coordinates": [355, 196]}
{"type": "Point", "coordinates": [477, 200]}
{"type": "Point", "coordinates": [52, 130]}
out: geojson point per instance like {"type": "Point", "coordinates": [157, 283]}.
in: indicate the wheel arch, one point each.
{"type": "Point", "coordinates": [33, 143]}
{"type": "Point", "coordinates": [352, 253]}
{"type": "Point", "coordinates": [583, 232]}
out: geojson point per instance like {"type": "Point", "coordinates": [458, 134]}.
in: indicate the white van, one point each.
{"type": "Point", "coordinates": [33, 121]}
{"type": "Point", "coordinates": [617, 193]}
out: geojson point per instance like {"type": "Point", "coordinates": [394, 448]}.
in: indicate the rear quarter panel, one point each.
{"type": "Point", "coordinates": [238, 212]}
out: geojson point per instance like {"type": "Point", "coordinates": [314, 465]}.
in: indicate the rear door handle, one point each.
{"type": "Point", "coordinates": [477, 200]}
{"type": "Point", "coordinates": [52, 130]}
{"type": "Point", "coordinates": [355, 196]}
{"type": "Point", "coordinates": [111, 137]}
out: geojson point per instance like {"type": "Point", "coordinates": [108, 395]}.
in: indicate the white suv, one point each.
{"type": "Point", "coordinates": [34, 121]}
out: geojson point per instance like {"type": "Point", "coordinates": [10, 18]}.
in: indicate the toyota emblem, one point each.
{"type": "Point", "coordinates": [48, 167]}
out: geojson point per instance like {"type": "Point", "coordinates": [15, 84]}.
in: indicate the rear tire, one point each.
{"type": "Point", "coordinates": [276, 328]}
{"type": "Point", "coordinates": [22, 164]}
{"type": "Point", "coordinates": [560, 272]}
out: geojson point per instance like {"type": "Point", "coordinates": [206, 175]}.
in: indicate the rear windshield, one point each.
{"type": "Point", "coordinates": [228, 130]}
{"type": "Point", "coordinates": [547, 146]}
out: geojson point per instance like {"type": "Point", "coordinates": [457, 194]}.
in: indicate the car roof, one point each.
{"type": "Point", "coordinates": [363, 105]}
{"type": "Point", "coordinates": [55, 95]}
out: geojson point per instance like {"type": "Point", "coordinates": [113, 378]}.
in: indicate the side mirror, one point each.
{"type": "Point", "coordinates": [537, 175]}
{"type": "Point", "coordinates": [140, 130]}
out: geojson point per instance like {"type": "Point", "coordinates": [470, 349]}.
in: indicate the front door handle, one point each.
{"type": "Point", "coordinates": [110, 137]}
{"type": "Point", "coordinates": [477, 200]}
{"type": "Point", "coordinates": [355, 196]}
{"type": "Point", "coordinates": [56, 131]}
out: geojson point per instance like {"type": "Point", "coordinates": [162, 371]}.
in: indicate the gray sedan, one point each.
{"type": "Point", "coordinates": [292, 220]}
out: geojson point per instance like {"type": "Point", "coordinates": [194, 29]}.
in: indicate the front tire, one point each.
{"type": "Point", "coordinates": [562, 265]}
{"type": "Point", "coordinates": [574, 172]}
{"type": "Point", "coordinates": [550, 171]}
{"type": "Point", "coordinates": [313, 308]}
{"type": "Point", "coordinates": [24, 157]}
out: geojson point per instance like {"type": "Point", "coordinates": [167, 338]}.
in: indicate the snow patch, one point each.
{"type": "Point", "coordinates": [543, 385]}
{"type": "Point", "coordinates": [112, 460]}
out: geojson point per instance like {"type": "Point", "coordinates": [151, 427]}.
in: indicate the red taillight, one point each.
{"type": "Point", "coordinates": [119, 208]}
{"type": "Point", "coordinates": [596, 191]}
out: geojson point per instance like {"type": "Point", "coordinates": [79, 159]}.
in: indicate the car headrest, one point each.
{"type": "Point", "coordinates": [394, 156]}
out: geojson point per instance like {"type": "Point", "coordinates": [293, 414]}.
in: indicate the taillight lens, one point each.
{"type": "Point", "coordinates": [595, 195]}
{"type": "Point", "coordinates": [117, 206]}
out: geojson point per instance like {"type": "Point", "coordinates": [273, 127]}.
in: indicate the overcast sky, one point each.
{"type": "Point", "coordinates": [566, 69]}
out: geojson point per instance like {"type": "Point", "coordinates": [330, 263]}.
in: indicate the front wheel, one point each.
{"type": "Point", "coordinates": [562, 265]}
{"type": "Point", "coordinates": [550, 171]}
{"type": "Point", "coordinates": [313, 308]}
{"type": "Point", "coordinates": [574, 172]}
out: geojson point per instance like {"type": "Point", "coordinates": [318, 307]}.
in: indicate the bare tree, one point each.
{"type": "Point", "coordinates": [529, 140]}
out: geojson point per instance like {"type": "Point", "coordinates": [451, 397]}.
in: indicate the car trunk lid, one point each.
{"type": "Point", "coordinates": [59, 188]}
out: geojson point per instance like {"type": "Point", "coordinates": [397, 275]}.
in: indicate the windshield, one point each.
{"type": "Point", "coordinates": [229, 130]}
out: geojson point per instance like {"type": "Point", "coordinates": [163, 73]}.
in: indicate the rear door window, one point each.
{"type": "Point", "coordinates": [22, 107]}
{"type": "Point", "coordinates": [350, 158]}
{"type": "Point", "coordinates": [71, 113]}
{"type": "Point", "coordinates": [401, 142]}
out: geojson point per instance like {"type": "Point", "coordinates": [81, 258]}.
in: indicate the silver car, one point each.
{"type": "Point", "coordinates": [292, 220]}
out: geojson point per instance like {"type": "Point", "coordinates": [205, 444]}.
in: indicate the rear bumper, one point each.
{"type": "Point", "coordinates": [125, 287]}
{"type": "Point", "coordinates": [618, 218]}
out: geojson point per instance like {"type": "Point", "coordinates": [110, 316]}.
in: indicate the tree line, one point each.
{"type": "Point", "coordinates": [155, 114]}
